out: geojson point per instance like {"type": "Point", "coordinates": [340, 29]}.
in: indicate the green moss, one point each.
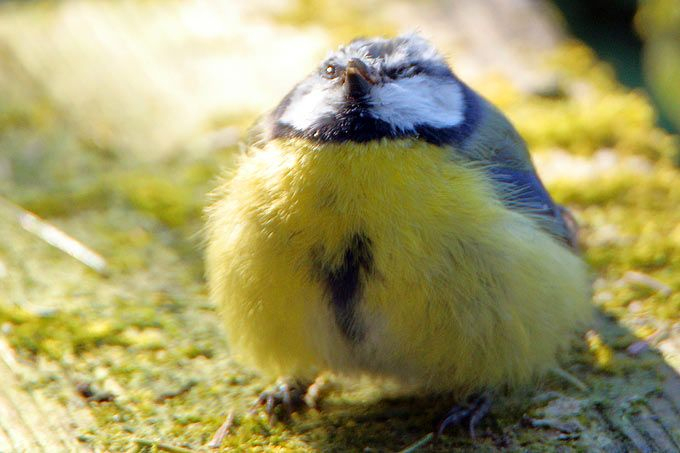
{"type": "Point", "coordinates": [594, 112]}
{"type": "Point", "coordinates": [148, 329]}
{"type": "Point", "coordinates": [342, 20]}
{"type": "Point", "coordinates": [66, 199]}
{"type": "Point", "coordinates": [164, 199]}
{"type": "Point", "coordinates": [57, 334]}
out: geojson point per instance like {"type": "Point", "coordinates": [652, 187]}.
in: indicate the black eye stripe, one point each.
{"type": "Point", "coordinates": [404, 71]}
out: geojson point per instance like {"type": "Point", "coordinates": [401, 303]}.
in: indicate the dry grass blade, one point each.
{"type": "Point", "coordinates": [573, 380]}
{"type": "Point", "coordinates": [222, 432]}
{"type": "Point", "coordinates": [419, 444]}
{"type": "Point", "coordinates": [161, 447]}
{"type": "Point", "coordinates": [638, 278]}
{"type": "Point", "coordinates": [55, 237]}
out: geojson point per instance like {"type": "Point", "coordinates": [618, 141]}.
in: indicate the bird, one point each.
{"type": "Point", "coordinates": [386, 220]}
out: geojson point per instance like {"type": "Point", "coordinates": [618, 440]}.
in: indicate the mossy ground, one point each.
{"type": "Point", "coordinates": [147, 334]}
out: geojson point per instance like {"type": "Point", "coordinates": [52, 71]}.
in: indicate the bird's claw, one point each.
{"type": "Point", "coordinates": [282, 400]}
{"type": "Point", "coordinates": [474, 411]}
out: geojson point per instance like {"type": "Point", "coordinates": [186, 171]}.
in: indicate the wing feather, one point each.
{"type": "Point", "coordinates": [500, 151]}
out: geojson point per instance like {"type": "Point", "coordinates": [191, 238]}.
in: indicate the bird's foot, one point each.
{"type": "Point", "coordinates": [318, 391]}
{"type": "Point", "coordinates": [476, 408]}
{"type": "Point", "coordinates": [282, 399]}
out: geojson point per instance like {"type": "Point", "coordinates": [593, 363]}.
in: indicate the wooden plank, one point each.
{"type": "Point", "coordinates": [30, 422]}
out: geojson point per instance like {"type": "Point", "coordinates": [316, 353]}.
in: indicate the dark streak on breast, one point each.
{"type": "Point", "coordinates": [344, 285]}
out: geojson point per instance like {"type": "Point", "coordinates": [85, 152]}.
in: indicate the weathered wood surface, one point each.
{"type": "Point", "coordinates": [229, 61]}
{"type": "Point", "coordinates": [31, 419]}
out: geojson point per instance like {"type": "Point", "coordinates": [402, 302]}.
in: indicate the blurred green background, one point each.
{"type": "Point", "coordinates": [118, 117]}
{"type": "Point", "coordinates": [640, 39]}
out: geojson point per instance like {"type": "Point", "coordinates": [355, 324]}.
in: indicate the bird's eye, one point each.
{"type": "Point", "coordinates": [330, 72]}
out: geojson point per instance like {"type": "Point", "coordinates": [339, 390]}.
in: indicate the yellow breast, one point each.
{"type": "Point", "coordinates": [461, 292]}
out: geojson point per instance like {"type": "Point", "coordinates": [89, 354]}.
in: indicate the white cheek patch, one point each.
{"type": "Point", "coordinates": [403, 104]}
{"type": "Point", "coordinates": [304, 111]}
{"type": "Point", "coordinates": [418, 100]}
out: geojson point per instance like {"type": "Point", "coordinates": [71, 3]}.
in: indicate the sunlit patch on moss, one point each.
{"type": "Point", "coordinates": [343, 20]}
{"type": "Point", "coordinates": [594, 112]}
{"type": "Point", "coordinates": [603, 355]}
{"type": "Point", "coordinates": [57, 334]}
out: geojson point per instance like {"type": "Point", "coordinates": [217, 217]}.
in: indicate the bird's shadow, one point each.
{"type": "Point", "coordinates": [630, 403]}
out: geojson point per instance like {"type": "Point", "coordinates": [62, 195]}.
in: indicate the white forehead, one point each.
{"type": "Point", "coordinates": [391, 52]}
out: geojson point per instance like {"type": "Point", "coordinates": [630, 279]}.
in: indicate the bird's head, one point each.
{"type": "Point", "coordinates": [372, 89]}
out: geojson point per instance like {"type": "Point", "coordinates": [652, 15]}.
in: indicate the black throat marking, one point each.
{"type": "Point", "coordinates": [344, 285]}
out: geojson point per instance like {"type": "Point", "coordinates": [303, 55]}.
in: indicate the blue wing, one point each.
{"type": "Point", "coordinates": [488, 139]}
{"type": "Point", "coordinates": [522, 190]}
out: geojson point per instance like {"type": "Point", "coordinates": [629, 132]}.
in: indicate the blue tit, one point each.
{"type": "Point", "coordinates": [388, 221]}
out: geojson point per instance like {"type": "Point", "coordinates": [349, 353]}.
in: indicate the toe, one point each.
{"type": "Point", "coordinates": [453, 418]}
{"type": "Point", "coordinates": [479, 412]}
{"type": "Point", "coordinates": [284, 397]}
{"type": "Point", "coordinates": [474, 412]}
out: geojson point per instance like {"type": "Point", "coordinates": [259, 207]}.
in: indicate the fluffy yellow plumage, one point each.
{"type": "Point", "coordinates": [389, 222]}
{"type": "Point", "coordinates": [462, 293]}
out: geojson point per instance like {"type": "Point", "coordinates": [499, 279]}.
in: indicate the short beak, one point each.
{"type": "Point", "coordinates": [358, 79]}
